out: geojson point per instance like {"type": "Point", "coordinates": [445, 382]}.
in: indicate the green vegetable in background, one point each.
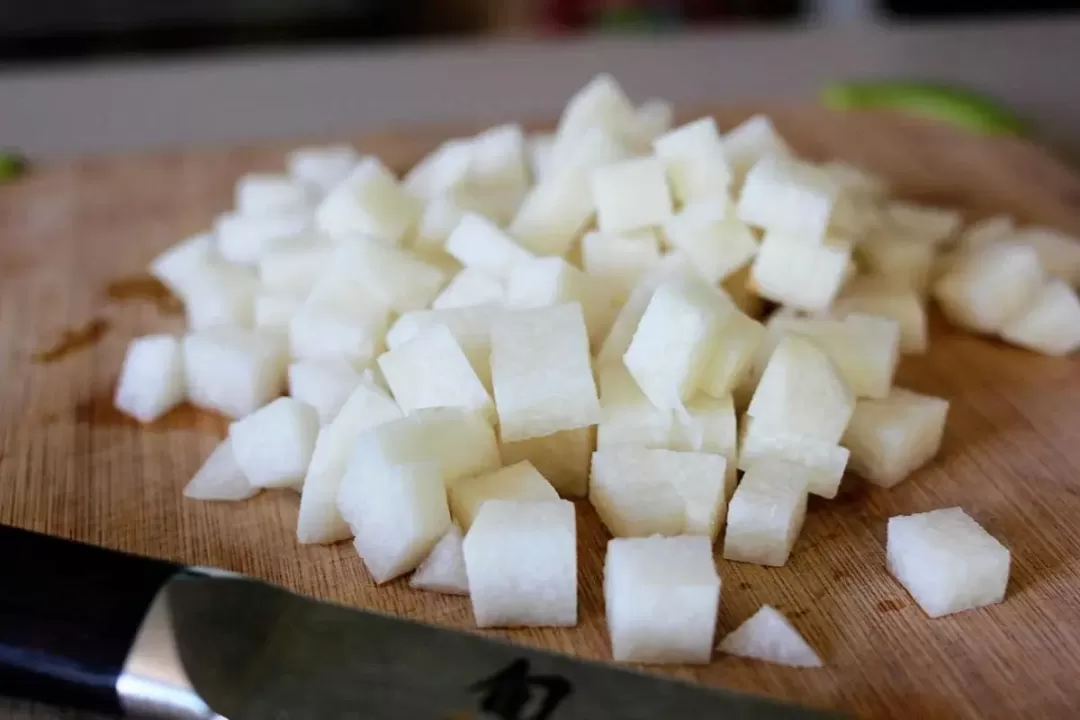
{"type": "Point", "coordinates": [957, 106]}
{"type": "Point", "coordinates": [12, 165]}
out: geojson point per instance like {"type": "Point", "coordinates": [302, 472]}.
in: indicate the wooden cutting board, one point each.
{"type": "Point", "coordinates": [74, 242]}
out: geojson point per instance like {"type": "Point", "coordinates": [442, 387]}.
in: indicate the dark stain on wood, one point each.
{"type": "Point", "coordinates": [144, 287]}
{"type": "Point", "coordinates": [72, 341]}
{"type": "Point", "coordinates": [891, 605]}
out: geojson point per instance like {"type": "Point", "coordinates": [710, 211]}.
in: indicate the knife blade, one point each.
{"type": "Point", "coordinates": [101, 630]}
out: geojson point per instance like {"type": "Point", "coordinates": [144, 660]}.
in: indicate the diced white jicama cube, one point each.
{"type": "Point", "coordinates": [1059, 253]}
{"type": "Point", "coordinates": [803, 392]}
{"type": "Point", "coordinates": [232, 370]}
{"type": "Point", "coordinates": [732, 359]}
{"type": "Point", "coordinates": [431, 371]}
{"type": "Point", "coordinates": [222, 295]}
{"type": "Point", "coordinates": [1050, 324]}
{"type": "Point", "coordinates": [316, 334]}
{"type": "Point", "coordinates": [629, 317]}
{"type": "Point", "coordinates": [369, 201]}
{"type": "Point", "coordinates": [871, 296]}
{"type": "Point", "coordinates": [541, 372]}
{"type": "Point", "coordinates": [747, 144]}
{"type": "Point", "coordinates": [293, 270]}
{"type": "Point", "coordinates": [905, 262]}
{"type": "Point", "coordinates": [789, 197]}
{"type": "Point", "coordinates": [693, 156]}
{"type": "Point", "coordinates": [499, 161]}
{"type": "Point", "coordinates": [397, 278]}
{"type": "Point", "coordinates": [323, 384]}
{"type": "Point", "coordinates": [220, 478]}
{"type": "Point", "coordinates": [521, 560]}
{"type": "Point", "coordinates": [891, 438]}
{"type": "Point", "coordinates": [713, 429]}
{"type": "Point", "coordinates": [768, 636]}
{"type": "Point", "coordinates": [320, 520]}
{"type": "Point", "coordinates": [244, 239]}
{"type": "Point", "coordinates": [468, 288]}
{"type": "Point", "coordinates": [716, 242]}
{"type": "Point", "coordinates": [268, 194]}
{"type": "Point", "coordinates": [541, 153]}
{"type": "Point", "coordinates": [558, 208]}
{"type": "Point", "coordinates": [947, 561]}
{"type": "Point", "coordinates": [478, 243]}
{"type": "Point", "coordinates": [632, 494]}
{"type": "Point", "coordinates": [642, 575]}
{"type": "Point", "coordinates": [182, 262]}
{"type": "Point", "coordinates": [701, 479]}
{"type": "Point", "coordinates": [442, 169]}
{"type": "Point", "coordinates": [152, 378]}
{"type": "Point", "coordinates": [990, 287]}
{"type": "Point", "coordinates": [273, 445]}
{"type": "Point", "coordinates": [544, 281]}
{"type": "Point", "coordinates": [985, 231]}
{"type": "Point", "coordinates": [274, 311]}
{"type": "Point", "coordinates": [631, 195]}
{"type": "Point", "coordinates": [799, 274]}
{"type": "Point", "coordinates": [470, 326]}
{"type": "Point", "coordinates": [397, 513]}
{"type": "Point", "coordinates": [601, 104]}
{"type": "Point", "coordinates": [626, 415]}
{"type": "Point", "coordinates": [322, 167]}
{"type": "Point", "coordinates": [441, 215]}
{"type": "Point", "coordinates": [824, 461]}
{"type": "Point", "coordinates": [676, 339]}
{"type": "Point", "coordinates": [654, 118]}
{"type": "Point", "coordinates": [520, 481]}
{"type": "Point", "coordinates": [562, 457]}
{"type": "Point", "coordinates": [444, 569]}
{"type": "Point", "coordinates": [620, 258]}
{"type": "Point", "coordinates": [766, 513]}
{"type": "Point", "coordinates": [924, 223]}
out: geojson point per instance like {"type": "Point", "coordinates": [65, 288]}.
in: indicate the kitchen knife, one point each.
{"type": "Point", "coordinates": [100, 630]}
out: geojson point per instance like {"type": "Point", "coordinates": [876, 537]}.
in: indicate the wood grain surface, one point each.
{"type": "Point", "coordinates": [71, 466]}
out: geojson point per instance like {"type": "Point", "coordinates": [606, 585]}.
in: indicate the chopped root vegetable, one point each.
{"type": "Point", "coordinates": [769, 636]}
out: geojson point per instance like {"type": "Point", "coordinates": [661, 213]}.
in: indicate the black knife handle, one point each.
{"type": "Point", "coordinates": [69, 613]}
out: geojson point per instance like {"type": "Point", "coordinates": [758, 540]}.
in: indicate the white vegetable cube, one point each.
{"type": "Point", "coordinates": [626, 415]}
{"type": "Point", "coordinates": [521, 560]}
{"type": "Point", "coordinates": [470, 326]}
{"type": "Point", "coordinates": [543, 281]}
{"type": "Point", "coordinates": [872, 296]}
{"type": "Point", "coordinates": [443, 570]}
{"type": "Point", "coordinates": [924, 223]}
{"type": "Point", "coordinates": [906, 262]}
{"type": "Point", "coordinates": [824, 461]}
{"type": "Point", "coordinates": [1059, 253]}
{"type": "Point", "coordinates": [541, 372]}
{"type": "Point", "coordinates": [629, 316]}
{"type": "Point", "coordinates": [499, 160]}
{"type": "Point", "coordinates": [754, 139]}
{"type": "Point", "coordinates": [803, 392]}
{"type": "Point", "coordinates": [732, 359]}
{"type": "Point", "coordinates": [369, 201]}
{"type": "Point", "coordinates": [769, 636]}
{"type": "Point", "coordinates": [323, 384]}
{"type": "Point", "coordinates": [632, 494]}
{"type": "Point", "coordinates": [693, 156]}
{"type": "Point", "coordinates": [152, 378]}
{"type": "Point", "coordinates": [233, 371]}
{"type": "Point", "coordinates": [990, 287]}
{"type": "Point", "coordinates": [478, 243]}
{"type": "Point", "coordinates": [222, 295]}
{"type": "Point", "coordinates": [676, 574]}
{"type": "Point", "coordinates": [631, 194]}
{"type": "Point", "coordinates": [182, 262]}
{"type": "Point", "coordinates": [293, 270]}
{"type": "Point", "coordinates": [620, 258]}
{"type": "Point", "coordinates": [601, 104]}
{"type": "Point", "coordinates": [470, 287]}
{"type": "Point", "coordinates": [946, 561]}
{"type": "Point", "coordinates": [244, 239]}
{"type": "Point", "coordinates": [268, 193]}
{"type": "Point", "coordinates": [716, 242]}
{"type": "Point", "coordinates": [520, 481]}
{"type": "Point", "coordinates": [789, 197]}
{"type": "Point", "coordinates": [441, 215]}
{"type": "Point", "coordinates": [440, 170]}
{"type": "Point", "coordinates": [320, 520]}
{"type": "Point", "coordinates": [273, 445]}
{"type": "Point", "coordinates": [562, 457]}
{"type": "Point", "coordinates": [765, 516]}
{"type": "Point", "coordinates": [220, 478]}
{"type": "Point", "coordinates": [431, 371]}
{"type": "Point", "coordinates": [893, 437]}
{"type": "Point", "coordinates": [324, 166]}
{"type": "Point", "coordinates": [654, 118]}
{"type": "Point", "coordinates": [1050, 324]}
{"type": "Point", "coordinates": [799, 274]}
{"type": "Point", "coordinates": [397, 278]}
{"type": "Point", "coordinates": [541, 148]}
{"type": "Point", "coordinates": [315, 334]}
{"type": "Point", "coordinates": [709, 428]}
{"type": "Point", "coordinates": [397, 513]}
{"type": "Point", "coordinates": [675, 340]}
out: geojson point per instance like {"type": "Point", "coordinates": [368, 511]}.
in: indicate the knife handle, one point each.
{"type": "Point", "coordinates": [69, 613]}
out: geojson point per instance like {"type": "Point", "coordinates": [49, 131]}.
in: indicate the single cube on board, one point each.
{"type": "Point", "coordinates": [152, 378]}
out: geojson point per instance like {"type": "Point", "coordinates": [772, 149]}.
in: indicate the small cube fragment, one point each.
{"type": "Point", "coordinates": [754, 139]}
{"type": "Point", "coordinates": [893, 437]}
{"type": "Point", "coordinates": [369, 201]}
{"type": "Point", "coordinates": [520, 481]}
{"type": "Point", "coordinates": [769, 636]}
{"type": "Point", "coordinates": [783, 195]}
{"type": "Point", "coordinates": [323, 384]}
{"type": "Point", "coordinates": [443, 570]}
{"type": "Point", "coordinates": [233, 371]}
{"type": "Point", "coordinates": [220, 478]}
{"type": "Point", "coordinates": [1050, 324]}
{"type": "Point", "coordinates": [799, 274]}
{"type": "Point", "coordinates": [620, 258]}
{"type": "Point", "coordinates": [716, 242]}
{"type": "Point", "coordinates": [693, 156]}
{"type": "Point", "coordinates": [478, 243]}
{"type": "Point", "coordinates": [273, 445]}
{"type": "Point", "coordinates": [631, 195]}
{"type": "Point", "coordinates": [765, 516]}
{"type": "Point", "coordinates": [824, 461]}
{"type": "Point", "coordinates": [947, 561]}
{"type": "Point", "coordinates": [677, 574]}
{"type": "Point", "coordinates": [990, 287]}
{"type": "Point", "coordinates": [470, 288]}
{"type": "Point", "coordinates": [152, 378]}
{"type": "Point", "coordinates": [521, 560]}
